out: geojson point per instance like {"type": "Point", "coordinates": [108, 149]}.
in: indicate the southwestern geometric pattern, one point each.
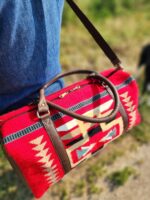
{"type": "Point", "coordinates": [78, 135]}
{"type": "Point", "coordinates": [84, 150]}
{"type": "Point", "coordinates": [27, 130]}
{"type": "Point", "coordinates": [29, 145]}
{"type": "Point", "coordinates": [47, 163]}
{"type": "Point", "coordinates": [131, 108]}
{"type": "Point", "coordinates": [110, 135]}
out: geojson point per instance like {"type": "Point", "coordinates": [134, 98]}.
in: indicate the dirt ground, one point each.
{"type": "Point", "coordinates": [136, 188]}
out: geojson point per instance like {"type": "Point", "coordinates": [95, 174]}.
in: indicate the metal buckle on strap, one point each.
{"type": "Point", "coordinates": [43, 115]}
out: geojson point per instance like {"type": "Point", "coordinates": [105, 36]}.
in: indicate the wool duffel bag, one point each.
{"type": "Point", "coordinates": [45, 140]}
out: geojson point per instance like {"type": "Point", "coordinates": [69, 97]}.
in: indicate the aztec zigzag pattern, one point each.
{"type": "Point", "coordinates": [131, 108]}
{"type": "Point", "coordinates": [49, 169]}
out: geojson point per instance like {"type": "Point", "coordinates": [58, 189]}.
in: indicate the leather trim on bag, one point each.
{"type": "Point", "coordinates": [58, 145]}
{"type": "Point", "coordinates": [124, 116]}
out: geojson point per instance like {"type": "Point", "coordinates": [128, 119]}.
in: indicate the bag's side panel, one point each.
{"type": "Point", "coordinates": [32, 152]}
{"type": "Point", "coordinates": [129, 95]}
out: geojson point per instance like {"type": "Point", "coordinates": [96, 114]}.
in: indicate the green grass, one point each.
{"type": "Point", "coordinates": [112, 156]}
{"type": "Point", "coordinates": [78, 50]}
{"type": "Point", "coordinates": [79, 188]}
{"type": "Point", "coordinates": [93, 189]}
{"type": "Point", "coordinates": [142, 132]}
{"type": "Point", "coordinates": [63, 194]}
{"type": "Point", "coordinates": [100, 10]}
{"type": "Point", "coordinates": [94, 172]}
{"type": "Point", "coordinates": [119, 178]}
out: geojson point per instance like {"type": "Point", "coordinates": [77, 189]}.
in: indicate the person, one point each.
{"type": "Point", "coordinates": [29, 50]}
{"type": "Point", "coordinates": [145, 61]}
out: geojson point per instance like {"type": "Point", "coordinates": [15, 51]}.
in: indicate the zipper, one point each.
{"type": "Point", "coordinates": [72, 90]}
{"type": "Point", "coordinates": [59, 97]}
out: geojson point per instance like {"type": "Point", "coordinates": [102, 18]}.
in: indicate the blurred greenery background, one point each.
{"type": "Point", "coordinates": [125, 24]}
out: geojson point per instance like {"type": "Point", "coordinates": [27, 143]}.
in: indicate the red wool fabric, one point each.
{"type": "Point", "coordinates": [29, 148]}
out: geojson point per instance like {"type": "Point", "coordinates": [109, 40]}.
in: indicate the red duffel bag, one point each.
{"type": "Point", "coordinates": [44, 141]}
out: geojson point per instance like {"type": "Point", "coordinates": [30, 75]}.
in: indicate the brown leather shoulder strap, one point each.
{"type": "Point", "coordinates": [95, 34]}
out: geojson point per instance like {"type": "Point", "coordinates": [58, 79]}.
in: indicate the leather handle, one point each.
{"type": "Point", "coordinates": [79, 71]}
{"type": "Point", "coordinates": [43, 106]}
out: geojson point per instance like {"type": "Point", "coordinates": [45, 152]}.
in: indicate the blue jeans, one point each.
{"type": "Point", "coordinates": [29, 49]}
